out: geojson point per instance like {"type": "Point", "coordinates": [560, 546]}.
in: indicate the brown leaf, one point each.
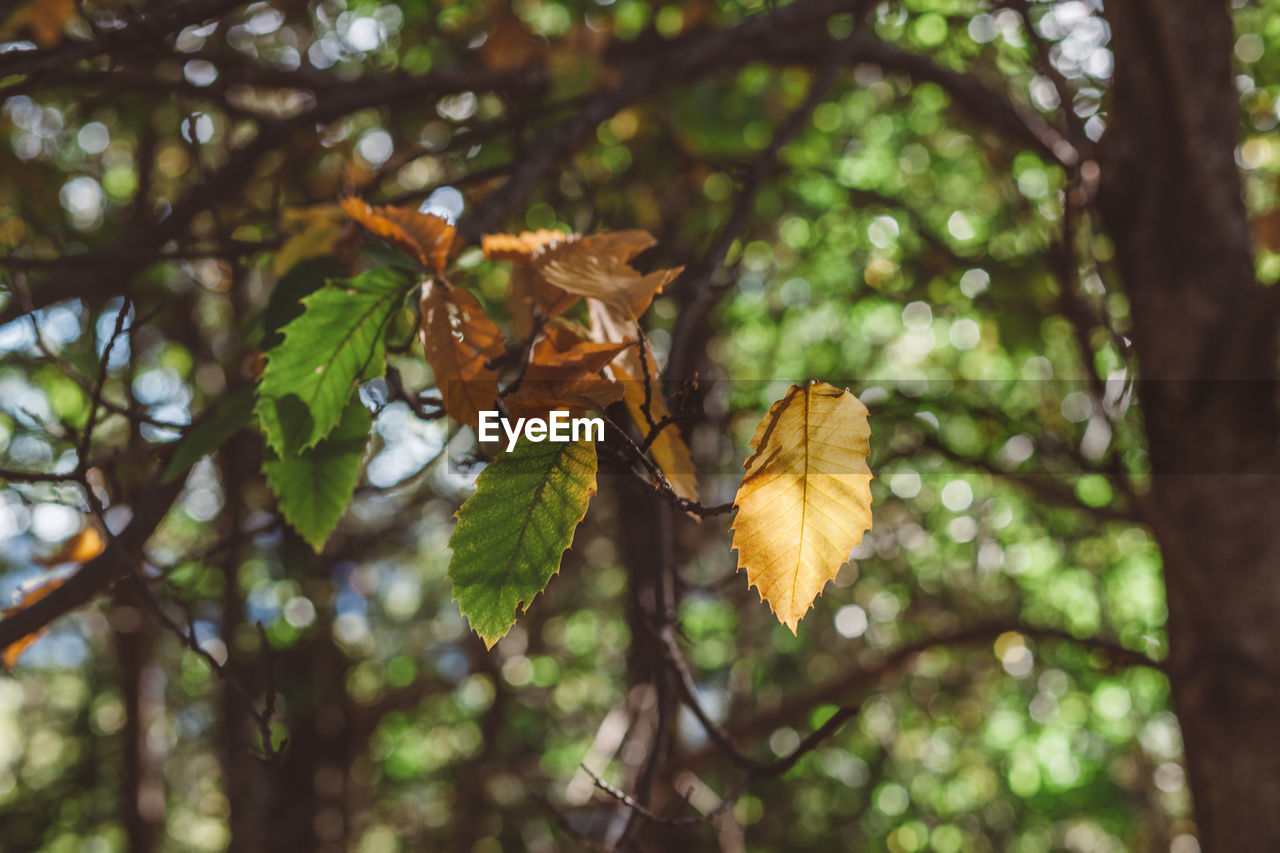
{"type": "Point", "coordinates": [458, 337]}
{"type": "Point", "coordinates": [1266, 230]}
{"type": "Point", "coordinates": [26, 599]}
{"type": "Point", "coordinates": [669, 450]}
{"type": "Point", "coordinates": [426, 237]}
{"type": "Point", "coordinates": [604, 276]}
{"type": "Point", "coordinates": [555, 269]}
{"type": "Point", "coordinates": [564, 373]}
{"type": "Point", "coordinates": [526, 291]}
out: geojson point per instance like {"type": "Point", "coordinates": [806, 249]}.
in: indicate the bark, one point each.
{"type": "Point", "coordinates": [1204, 334]}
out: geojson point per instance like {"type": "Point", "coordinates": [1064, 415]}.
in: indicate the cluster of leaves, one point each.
{"type": "Point", "coordinates": [804, 502]}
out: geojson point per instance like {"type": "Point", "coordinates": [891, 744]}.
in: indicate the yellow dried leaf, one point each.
{"type": "Point", "coordinates": [26, 599]}
{"type": "Point", "coordinates": [426, 237]}
{"type": "Point", "coordinates": [315, 230]}
{"type": "Point", "coordinates": [805, 499]}
{"type": "Point", "coordinates": [669, 450]}
{"type": "Point", "coordinates": [458, 337]}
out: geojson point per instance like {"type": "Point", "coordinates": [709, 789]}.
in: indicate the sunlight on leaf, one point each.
{"type": "Point", "coordinates": [805, 500]}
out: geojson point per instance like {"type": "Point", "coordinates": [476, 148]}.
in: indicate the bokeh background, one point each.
{"type": "Point", "coordinates": [1002, 625]}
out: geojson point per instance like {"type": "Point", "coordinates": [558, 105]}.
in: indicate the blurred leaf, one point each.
{"type": "Point", "coordinates": [335, 342]}
{"type": "Point", "coordinates": [87, 543]}
{"type": "Point", "coordinates": [316, 230]}
{"type": "Point", "coordinates": [458, 337]}
{"type": "Point", "coordinates": [555, 269]}
{"type": "Point", "coordinates": [25, 600]}
{"type": "Point", "coordinates": [513, 530]}
{"type": "Point", "coordinates": [520, 247]}
{"type": "Point", "coordinates": [805, 500]}
{"type": "Point", "coordinates": [315, 486]}
{"type": "Point", "coordinates": [229, 415]}
{"type": "Point", "coordinates": [45, 20]}
{"type": "Point", "coordinates": [511, 45]}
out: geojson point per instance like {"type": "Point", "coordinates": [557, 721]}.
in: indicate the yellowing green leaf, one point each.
{"type": "Point", "coordinates": [458, 338]}
{"type": "Point", "coordinates": [805, 500]}
{"type": "Point", "coordinates": [512, 532]}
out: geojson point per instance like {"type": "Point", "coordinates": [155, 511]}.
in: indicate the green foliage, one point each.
{"type": "Point", "coordinates": [335, 342]}
{"type": "Point", "coordinates": [315, 486]}
{"type": "Point", "coordinates": [512, 531]}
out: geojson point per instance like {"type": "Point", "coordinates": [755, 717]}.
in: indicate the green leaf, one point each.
{"type": "Point", "coordinates": [513, 530]}
{"type": "Point", "coordinates": [335, 342]}
{"type": "Point", "coordinates": [285, 302]}
{"type": "Point", "coordinates": [229, 414]}
{"type": "Point", "coordinates": [315, 486]}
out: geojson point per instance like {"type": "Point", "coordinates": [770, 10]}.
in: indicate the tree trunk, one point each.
{"type": "Point", "coordinates": [1205, 338]}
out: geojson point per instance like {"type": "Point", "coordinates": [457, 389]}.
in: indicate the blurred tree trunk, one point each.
{"type": "Point", "coordinates": [142, 793]}
{"type": "Point", "coordinates": [245, 782]}
{"type": "Point", "coordinates": [309, 809]}
{"type": "Point", "coordinates": [1205, 336]}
